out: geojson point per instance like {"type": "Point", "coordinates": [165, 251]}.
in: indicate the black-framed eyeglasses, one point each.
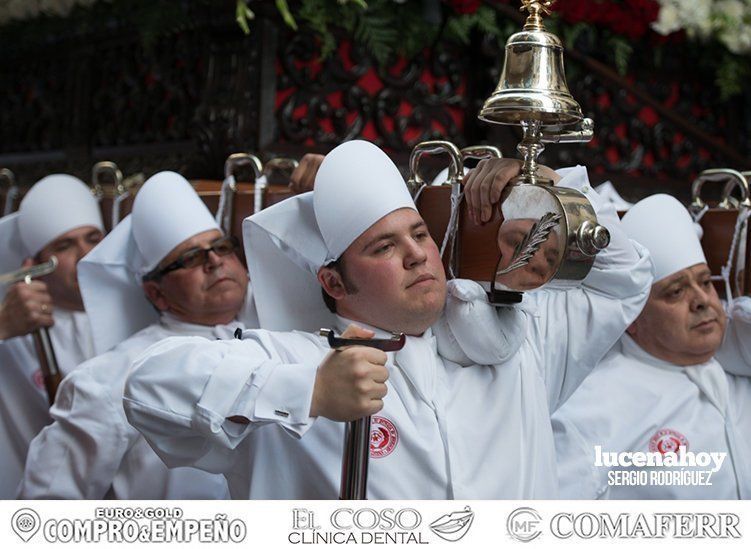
{"type": "Point", "coordinates": [195, 257]}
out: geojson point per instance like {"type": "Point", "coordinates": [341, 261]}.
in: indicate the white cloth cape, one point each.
{"type": "Point", "coordinates": [91, 452]}
{"type": "Point", "coordinates": [24, 408]}
{"type": "Point", "coordinates": [629, 399]}
{"type": "Point", "coordinates": [166, 213]}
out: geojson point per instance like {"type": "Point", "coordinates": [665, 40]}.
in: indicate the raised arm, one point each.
{"type": "Point", "coordinates": [574, 328]}
{"type": "Point", "coordinates": [735, 353]}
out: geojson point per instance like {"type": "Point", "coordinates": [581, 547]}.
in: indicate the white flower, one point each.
{"type": "Point", "coordinates": [668, 20]}
{"type": "Point", "coordinates": [732, 9]}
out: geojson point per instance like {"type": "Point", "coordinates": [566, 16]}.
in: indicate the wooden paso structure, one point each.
{"type": "Point", "coordinates": [232, 201]}
{"type": "Point", "coordinates": [725, 228]}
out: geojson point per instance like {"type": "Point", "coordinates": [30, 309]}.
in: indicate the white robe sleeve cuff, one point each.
{"type": "Point", "coordinates": [283, 397]}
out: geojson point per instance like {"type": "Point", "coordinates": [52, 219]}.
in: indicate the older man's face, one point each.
{"type": "Point", "coordinates": [209, 294]}
{"type": "Point", "coordinates": [683, 321]}
{"type": "Point", "coordinates": [397, 271]}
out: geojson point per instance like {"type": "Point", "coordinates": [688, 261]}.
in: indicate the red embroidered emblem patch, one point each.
{"type": "Point", "coordinates": [38, 379]}
{"type": "Point", "coordinates": [667, 441]}
{"type": "Point", "coordinates": [383, 437]}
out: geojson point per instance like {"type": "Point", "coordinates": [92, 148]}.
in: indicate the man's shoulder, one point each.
{"type": "Point", "coordinates": [111, 368]}
{"type": "Point", "coordinates": [295, 342]}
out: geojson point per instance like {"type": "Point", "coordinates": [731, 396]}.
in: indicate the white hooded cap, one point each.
{"type": "Point", "coordinates": [286, 244]}
{"type": "Point", "coordinates": [166, 212]}
{"type": "Point", "coordinates": [663, 225]}
{"type": "Point", "coordinates": [55, 205]}
{"type": "Point", "coordinates": [356, 185]}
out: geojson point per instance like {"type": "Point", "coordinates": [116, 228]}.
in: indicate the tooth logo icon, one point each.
{"type": "Point", "coordinates": [454, 526]}
{"type": "Point", "coordinates": [25, 523]}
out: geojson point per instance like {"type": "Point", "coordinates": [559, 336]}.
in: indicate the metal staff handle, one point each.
{"type": "Point", "coordinates": [12, 193]}
{"type": "Point", "coordinates": [42, 342]}
{"type": "Point", "coordinates": [354, 484]}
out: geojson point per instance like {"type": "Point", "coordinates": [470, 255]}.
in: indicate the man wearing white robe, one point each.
{"type": "Point", "coordinates": [58, 216]}
{"type": "Point", "coordinates": [90, 451]}
{"type": "Point", "coordinates": [462, 411]}
{"type": "Point", "coordinates": [662, 390]}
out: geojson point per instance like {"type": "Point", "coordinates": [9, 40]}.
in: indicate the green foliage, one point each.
{"type": "Point", "coordinates": [622, 50]}
{"type": "Point", "coordinates": [732, 72]}
{"type": "Point", "coordinates": [460, 27]}
{"type": "Point", "coordinates": [386, 28]}
{"type": "Point", "coordinates": [243, 14]}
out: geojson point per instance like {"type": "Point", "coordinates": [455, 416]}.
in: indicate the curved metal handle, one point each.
{"type": "Point", "coordinates": [582, 133]}
{"type": "Point", "coordinates": [9, 176]}
{"type": "Point", "coordinates": [280, 163]}
{"type": "Point", "coordinates": [103, 167]}
{"type": "Point", "coordinates": [236, 160]}
{"type": "Point", "coordinates": [731, 178]}
{"type": "Point", "coordinates": [11, 193]}
{"type": "Point", "coordinates": [456, 172]}
{"type": "Point", "coordinates": [745, 187]}
{"type": "Point", "coordinates": [481, 152]}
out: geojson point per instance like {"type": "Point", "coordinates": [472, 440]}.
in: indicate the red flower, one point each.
{"type": "Point", "coordinates": [463, 7]}
{"type": "Point", "coordinates": [627, 17]}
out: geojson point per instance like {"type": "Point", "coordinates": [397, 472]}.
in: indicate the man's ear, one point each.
{"type": "Point", "coordinates": [633, 328]}
{"type": "Point", "coordinates": [331, 282]}
{"type": "Point", "coordinates": [155, 296]}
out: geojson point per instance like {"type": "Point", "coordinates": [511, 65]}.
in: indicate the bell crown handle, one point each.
{"type": "Point", "coordinates": [536, 10]}
{"type": "Point", "coordinates": [426, 148]}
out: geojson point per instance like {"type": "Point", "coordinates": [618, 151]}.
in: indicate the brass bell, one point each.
{"type": "Point", "coordinates": [533, 83]}
{"type": "Point", "coordinates": [548, 234]}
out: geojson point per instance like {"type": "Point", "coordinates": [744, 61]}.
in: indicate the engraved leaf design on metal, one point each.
{"type": "Point", "coordinates": [527, 248]}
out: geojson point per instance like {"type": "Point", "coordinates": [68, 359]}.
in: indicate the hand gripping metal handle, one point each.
{"type": "Point", "coordinates": [354, 483]}
{"type": "Point", "coordinates": [42, 342]}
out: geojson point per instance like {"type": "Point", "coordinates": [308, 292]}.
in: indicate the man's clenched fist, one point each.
{"type": "Point", "coordinates": [351, 381]}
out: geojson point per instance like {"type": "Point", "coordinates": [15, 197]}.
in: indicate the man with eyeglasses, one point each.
{"type": "Point", "coordinates": [58, 217]}
{"type": "Point", "coordinates": [165, 270]}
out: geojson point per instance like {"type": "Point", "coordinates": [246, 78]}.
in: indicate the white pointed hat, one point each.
{"type": "Point", "coordinates": [55, 205]}
{"type": "Point", "coordinates": [286, 244]}
{"type": "Point", "coordinates": [166, 212]}
{"type": "Point", "coordinates": [663, 225]}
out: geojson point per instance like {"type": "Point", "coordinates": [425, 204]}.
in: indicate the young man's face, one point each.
{"type": "Point", "coordinates": [683, 321]}
{"type": "Point", "coordinates": [69, 248]}
{"type": "Point", "coordinates": [395, 271]}
{"type": "Point", "coordinates": [209, 294]}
